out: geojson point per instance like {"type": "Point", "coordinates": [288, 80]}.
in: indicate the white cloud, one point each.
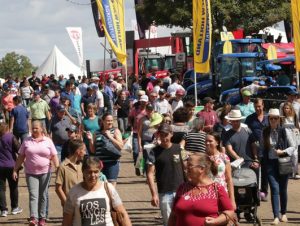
{"type": "Point", "coordinates": [33, 27]}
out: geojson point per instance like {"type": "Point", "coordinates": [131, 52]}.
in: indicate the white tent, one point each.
{"type": "Point", "coordinates": [57, 63]}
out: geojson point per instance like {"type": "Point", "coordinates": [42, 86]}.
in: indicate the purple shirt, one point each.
{"type": "Point", "coordinates": [38, 155]}
{"type": "Point", "coordinates": [7, 152]}
{"type": "Point", "coordinates": [54, 102]}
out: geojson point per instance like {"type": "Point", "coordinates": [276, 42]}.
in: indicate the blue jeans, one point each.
{"type": "Point", "coordinates": [135, 147]}
{"type": "Point", "coordinates": [38, 190]}
{"type": "Point", "coordinates": [166, 203]}
{"type": "Point", "coordinates": [111, 170]}
{"type": "Point", "coordinates": [278, 184]}
{"type": "Point", "coordinates": [58, 149]}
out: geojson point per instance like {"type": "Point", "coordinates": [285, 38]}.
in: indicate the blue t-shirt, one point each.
{"type": "Point", "coordinates": [20, 115]}
{"type": "Point", "coordinates": [77, 101]}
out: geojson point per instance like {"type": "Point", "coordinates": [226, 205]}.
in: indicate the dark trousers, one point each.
{"type": "Point", "coordinates": [6, 174]}
{"type": "Point", "coordinates": [264, 177]}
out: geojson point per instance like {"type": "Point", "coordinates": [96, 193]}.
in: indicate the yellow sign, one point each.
{"type": "Point", "coordinates": [272, 52]}
{"type": "Point", "coordinates": [202, 28]}
{"type": "Point", "coordinates": [227, 47]}
{"type": "Point", "coordinates": [296, 31]}
{"type": "Point", "coordinates": [112, 17]}
{"type": "Point", "coordinates": [226, 36]}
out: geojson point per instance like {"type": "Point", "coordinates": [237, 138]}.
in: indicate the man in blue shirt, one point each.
{"type": "Point", "coordinates": [67, 92]}
{"type": "Point", "coordinates": [257, 122]}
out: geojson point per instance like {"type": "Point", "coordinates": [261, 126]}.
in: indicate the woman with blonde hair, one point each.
{"type": "Point", "coordinates": [201, 201]}
{"type": "Point", "coordinates": [290, 122]}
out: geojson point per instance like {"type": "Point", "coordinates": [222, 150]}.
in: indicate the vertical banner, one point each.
{"type": "Point", "coordinates": [202, 28]}
{"type": "Point", "coordinates": [112, 17]}
{"type": "Point", "coordinates": [296, 31]}
{"type": "Point", "coordinates": [75, 34]}
{"type": "Point", "coordinates": [97, 19]}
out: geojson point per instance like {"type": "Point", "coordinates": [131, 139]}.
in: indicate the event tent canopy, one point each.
{"type": "Point", "coordinates": [58, 64]}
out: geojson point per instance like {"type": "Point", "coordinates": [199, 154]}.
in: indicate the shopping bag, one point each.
{"type": "Point", "coordinates": [140, 163]}
{"type": "Point", "coordinates": [128, 144]}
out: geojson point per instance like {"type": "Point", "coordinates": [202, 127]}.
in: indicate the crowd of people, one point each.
{"type": "Point", "coordinates": [76, 128]}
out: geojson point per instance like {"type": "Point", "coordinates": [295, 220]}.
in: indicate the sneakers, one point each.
{"type": "Point", "coordinates": [33, 222]}
{"type": "Point", "coordinates": [42, 222]}
{"type": "Point", "coordinates": [284, 218]}
{"type": "Point", "coordinates": [4, 213]}
{"type": "Point", "coordinates": [296, 177]}
{"type": "Point", "coordinates": [16, 210]}
{"type": "Point", "coordinates": [275, 221]}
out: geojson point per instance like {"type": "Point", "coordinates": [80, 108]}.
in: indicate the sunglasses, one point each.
{"type": "Point", "coordinates": [274, 118]}
{"type": "Point", "coordinates": [195, 166]}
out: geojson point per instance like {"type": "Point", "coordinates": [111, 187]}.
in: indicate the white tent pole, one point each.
{"type": "Point", "coordinates": [104, 56]}
{"type": "Point", "coordinates": [195, 80]}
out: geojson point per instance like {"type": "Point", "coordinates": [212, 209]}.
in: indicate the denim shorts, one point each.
{"type": "Point", "coordinates": [111, 170]}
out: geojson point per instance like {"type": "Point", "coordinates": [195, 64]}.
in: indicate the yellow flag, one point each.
{"type": "Point", "coordinates": [227, 47]}
{"type": "Point", "coordinates": [272, 52]}
{"type": "Point", "coordinates": [296, 30]}
{"type": "Point", "coordinates": [112, 17]}
{"type": "Point", "coordinates": [202, 28]}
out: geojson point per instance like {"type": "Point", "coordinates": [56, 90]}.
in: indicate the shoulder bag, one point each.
{"type": "Point", "coordinates": [117, 217]}
{"type": "Point", "coordinates": [105, 149]}
{"type": "Point", "coordinates": [285, 166]}
{"type": "Point", "coordinates": [230, 221]}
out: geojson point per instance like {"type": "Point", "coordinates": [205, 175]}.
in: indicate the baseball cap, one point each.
{"type": "Point", "coordinates": [207, 100]}
{"type": "Point", "coordinates": [161, 91]}
{"type": "Point", "coordinates": [144, 98]}
{"type": "Point", "coordinates": [149, 107]}
{"type": "Point", "coordinates": [141, 92]}
{"type": "Point", "coordinates": [36, 92]}
{"type": "Point", "coordinates": [72, 128]}
{"type": "Point", "coordinates": [292, 92]}
{"type": "Point", "coordinates": [165, 128]}
{"type": "Point", "coordinates": [246, 93]}
{"type": "Point", "coordinates": [180, 92]}
{"type": "Point", "coordinates": [60, 108]}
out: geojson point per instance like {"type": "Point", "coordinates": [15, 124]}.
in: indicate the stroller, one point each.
{"type": "Point", "coordinates": [246, 191]}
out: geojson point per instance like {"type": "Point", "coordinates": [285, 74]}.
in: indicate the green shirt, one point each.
{"type": "Point", "coordinates": [38, 110]}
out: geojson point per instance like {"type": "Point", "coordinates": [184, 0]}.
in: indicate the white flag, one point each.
{"type": "Point", "coordinates": [75, 34]}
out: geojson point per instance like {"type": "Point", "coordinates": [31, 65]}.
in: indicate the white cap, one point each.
{"type": "Point", "coordinates": [144, 98]}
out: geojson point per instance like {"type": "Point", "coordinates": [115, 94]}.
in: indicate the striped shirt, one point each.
{"type": "Point", "coordinates": [195, 141]}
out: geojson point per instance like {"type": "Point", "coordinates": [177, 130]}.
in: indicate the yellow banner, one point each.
{"type": "Point", "coordinates": [227, 47]}
{"type": "Point", "coordinates": [202, 28]}
{"type": "Point", "coordinates": [112, 17]}
{"type": "Point", "coordinates": [272, 52]}
{"type": "Point", "coordinates": [296, 31]}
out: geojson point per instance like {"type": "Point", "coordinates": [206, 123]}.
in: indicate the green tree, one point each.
{"type": "Point", "coordinates": [16, 65]}
{"type": "Point", "coordinates": [252, 15]}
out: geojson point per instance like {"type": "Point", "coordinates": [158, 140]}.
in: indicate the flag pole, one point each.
{"type": "Point", "coordinates": [195, 80]}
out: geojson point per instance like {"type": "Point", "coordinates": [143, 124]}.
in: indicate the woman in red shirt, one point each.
{"type": "Point", "coordinates": [200, 201]}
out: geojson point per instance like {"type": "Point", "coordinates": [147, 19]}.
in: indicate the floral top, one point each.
{"type": "Point", "coordinates": [220, 159]}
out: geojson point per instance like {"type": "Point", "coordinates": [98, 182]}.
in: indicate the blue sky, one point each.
{"type": "Point", "coordinates": [33, 27]}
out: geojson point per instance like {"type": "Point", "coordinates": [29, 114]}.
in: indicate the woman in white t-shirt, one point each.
{"type": "Point", "coordinates": [88, 202]}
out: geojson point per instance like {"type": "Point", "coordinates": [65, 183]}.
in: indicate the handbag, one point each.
{"type": "Point", "coordinates": [117, 217]}
{"type": "Point", "coordinates": [285, 165]}
{"type": "Point", "coordinates": [105, 149]}
{"type": "Point", "coordinates": [230, 221]}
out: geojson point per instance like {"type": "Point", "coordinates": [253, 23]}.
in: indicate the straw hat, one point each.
{"type": "Point", "coordinates": [234, 115]}
{"type": "Point", "coordinates": [274, 112]}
